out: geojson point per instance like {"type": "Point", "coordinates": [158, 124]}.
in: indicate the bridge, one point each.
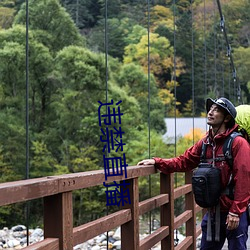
{"type": "Point", "coordinates": [59, 233]}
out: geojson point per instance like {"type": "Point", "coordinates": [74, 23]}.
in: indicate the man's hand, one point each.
{"type": "Point", "coordinates": [146, 162]}
{"type": "Point", "coordinates": [232, 221]}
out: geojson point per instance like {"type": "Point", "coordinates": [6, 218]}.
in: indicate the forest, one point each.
{"type": "Point", "coordinates": [161, 58]}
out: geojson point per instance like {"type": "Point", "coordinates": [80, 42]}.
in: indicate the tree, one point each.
{"type": "Point", "coordinates": [6, 17]}
{"type": "Point", "coordinates": [84, 13]}
{"type": "Point", "coordinates": [132, 78]}
{"type": "Point", "coordinates": [242, 65]}
{"type": "Point", "coordinates": [53, 25]}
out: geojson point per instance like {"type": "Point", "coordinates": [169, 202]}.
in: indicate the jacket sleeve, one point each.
{"type": "Point", "coordinates": [183, 163]}
{"type": "Point", "coordinates": [241, 175]}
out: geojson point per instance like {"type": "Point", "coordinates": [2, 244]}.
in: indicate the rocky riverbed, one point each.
{"type": "Point", "coordinates": [16, 238]}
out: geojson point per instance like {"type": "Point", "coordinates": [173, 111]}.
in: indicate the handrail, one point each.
{"type": "Point", "coordinates": [58, 210]}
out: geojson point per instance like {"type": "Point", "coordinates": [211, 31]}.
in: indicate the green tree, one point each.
{"type": "Point", "coordinates": [241, 56]}
{"type": "Point", "coordinates": [84, 13]}
{"type": "Point", "coordinates": [53, 25]}
{"type": "Point", "coordinates": [136, 82]}
{"type": "Point", "coordinates": [6, 17]}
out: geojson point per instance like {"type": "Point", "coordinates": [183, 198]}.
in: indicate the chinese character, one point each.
{"type": "Point", "coordinates": [115, 197]}
{"type": "Point", "coordinates": [109, 139]}
{"type": "Point", "coordinates": [113, 164]}
{"type": "Point", "coordinates": [107, 121]}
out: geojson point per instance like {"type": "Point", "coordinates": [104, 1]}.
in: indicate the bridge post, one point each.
{"type": "Point", "coordinates": [190, 205]}
{"type": "Point", "coordinates": [58, 219]}
{"type": "Point", "coordinates": [167, 210]}
{"type": "Point", "coordinates": [130, 230]}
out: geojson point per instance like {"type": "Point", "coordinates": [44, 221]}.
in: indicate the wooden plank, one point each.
{"type": "Point", "coordinates": [167, 210]}
{"type": "Point", "coordinates": [90, 230]}
{"type": "Point", "coordinates": [152, 203]}
{"type": "Point", "coordinates": [185, 244]}
{"type": "Point", "coordinates": [154, 238]}
{"type": "Point", "coordinates": [198, 209]}
{"type": "Point", "coordinates": [178, 192]}
{"type": "Point", "coordinates": [58, 219]}
{"type": "Point", "coordinates": [130, 230]}
{"type": "Point", "coordinates": [24, 190]}
{"type": "Point", "coordinates": [182, 218]}
{"type": "Point", "coordinates": [93, 178]}
{"type": "Point", "coordinates": [46, 244]}
{"type": "Point", "coordinates": [190, 205]}
{"type": "Point", "coordinates": [198, 231]}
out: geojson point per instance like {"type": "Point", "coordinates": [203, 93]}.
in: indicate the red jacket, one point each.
{"type": "Point", "coordinates": [241, 167]}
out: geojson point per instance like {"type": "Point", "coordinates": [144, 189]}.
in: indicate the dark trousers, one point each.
{"type": "Point", "coordinates": [237, 238]}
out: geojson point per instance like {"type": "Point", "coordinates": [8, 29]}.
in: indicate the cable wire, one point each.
{"type": "Point", "coordinates": [175, 95]}
{"type": "Point", "coordinates": [27, 207]}
{"type": "Point", "coordinates": [149, 121]}
{"type": "Point", "coordinates": [192, 76]}
{"type": "Point", "coordinates": [106, 84]}
{"type": "Point", "coordinates": [205, 49]}
{"type": "Point", "coordinates": [236, 82]}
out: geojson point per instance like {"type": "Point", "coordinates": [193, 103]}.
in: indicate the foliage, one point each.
{"type": "Point", "coordinates": [242, 63]}
{"type": "Point", "coordinates": [6, 17]}
{"type": "Point", "coordinates": [53, 25]}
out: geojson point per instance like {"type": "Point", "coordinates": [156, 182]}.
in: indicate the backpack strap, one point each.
{"type": "Point", "coordinates": [227, 151]}
{"type": "Point", "coordinates": [227, 148]}
{"type": "Point", "coordinates": [203, 152]}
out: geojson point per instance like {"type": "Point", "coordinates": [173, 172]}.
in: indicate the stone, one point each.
{"type": "Point", "coordinates": [18, 228]}
{"type": "Point", "coordinates": [117, 235]}
{"type": "Point", "coordinates": [117, 245]}
{"type": "Point", "coordinates": [95, 248]}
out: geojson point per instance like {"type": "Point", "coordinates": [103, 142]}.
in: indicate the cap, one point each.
{"type": "Point", "coordinates": [223, 103]}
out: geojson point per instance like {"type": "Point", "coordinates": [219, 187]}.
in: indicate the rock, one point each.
{"type": "Point", "coordinates": [100, 238]}
{"type": "Point", "coordinates": [103, 243]}
{"type": "Point", "coordinates": [3, 233]}
{"type": "Point", "coordinates": [117, 235]}
{"type": "Point", "coordinates": [117, 245]}
{"type": "Point", "coordinates": [95, 248]}
{"type": "Point", "coordinates": [111, 240]}
{"type": "Point", "coordinates": [13, 243]}
{"type": "Point", "coordinates": [111, 233]}
{"type": "Point", "coordinates": [38, 232]}
{"type": "Point", "coordinates": [18, 228]}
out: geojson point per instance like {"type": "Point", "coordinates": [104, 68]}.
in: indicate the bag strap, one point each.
{"type": "Point", "coordinates": [227, 148]}
{"type": "Point", "coordinates": [203, 152]}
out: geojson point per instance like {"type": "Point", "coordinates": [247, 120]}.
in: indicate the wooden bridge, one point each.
{"type": "Point", "coordinates": [59, 233]}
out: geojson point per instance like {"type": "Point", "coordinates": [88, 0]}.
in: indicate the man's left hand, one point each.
{"type": "Point", "coordinates": [232, 222]}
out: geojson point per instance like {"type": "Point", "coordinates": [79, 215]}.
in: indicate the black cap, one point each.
{"type": "Point", "coordinates": [223, 103]}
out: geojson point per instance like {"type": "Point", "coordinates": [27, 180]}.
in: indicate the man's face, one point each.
{"type": "Point", "coordinates": [215, 116]}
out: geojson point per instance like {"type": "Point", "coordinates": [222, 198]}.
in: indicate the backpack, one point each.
{"type": "Point", "coordinates": [206, 179]}
{"type": "Point", "coordinates": [243, 120]}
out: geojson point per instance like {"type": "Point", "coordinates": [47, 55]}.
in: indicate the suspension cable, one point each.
{"type": "Point", "coordinates": [205, 50]}
{"type": "Point", "coordinates": [215, 52]}
{"type": "Point", "coordinates": [192, 76]}
{"type": "Point", "coordinates": [27, 207]}
{"type": "Point", "coordinates": [149, 120]}
{"type": "Point", "coordinates": [106, 84]}
{"type": "Point", "coordinates": [229, 53]}
{"type": "Point", "coordinates": [175, 95]}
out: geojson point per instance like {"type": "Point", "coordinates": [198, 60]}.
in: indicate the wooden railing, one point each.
{"type": "Point", "coordinates": [59, 232]}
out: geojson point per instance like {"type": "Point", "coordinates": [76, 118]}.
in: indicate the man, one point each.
{"type": "Point", "coordinates": [221, 115]}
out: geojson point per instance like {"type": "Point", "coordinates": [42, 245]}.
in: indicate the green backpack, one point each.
{"type": "Point", "coordinates": [243, 120]}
